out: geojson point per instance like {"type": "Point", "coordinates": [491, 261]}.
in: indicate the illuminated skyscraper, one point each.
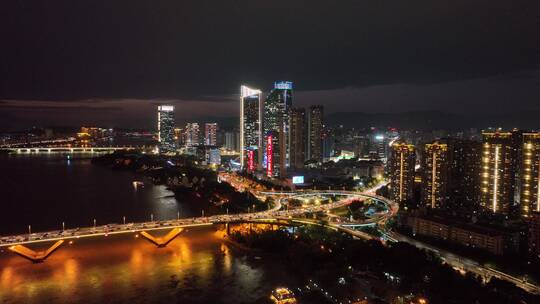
{"type": "Point", "coordinates": [179, 136]}
{"type": "Point", "coordinates": [379, 145]}
{"type": "Point", "coordinates": [192, 134]}
{"type": "Point", "coordinates": [298, 138]}
{"type": "Point", "coordinates": [401, 171]}
{"type": "Point", "coordinates": [276, 123]}
{"type": "Point", "coordinates": [435, 178]}
{"type": "Point", "coordinates": [210, 134]}
{"type": "Point", "coordinates": [315, 133]}
{"type": "Point", "coordinates": [530, 174]}
{"type": "Point", "coordinates": [166, 128]}
{"type": "Point", "coordinates": [250, 128]}
{"type": "Point", "coordinates": [500, 153]}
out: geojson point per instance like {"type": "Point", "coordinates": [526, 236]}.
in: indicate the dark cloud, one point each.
{"type": "Point", "coordinates": [67, 50]}
{"type": "Point", "coordinates": [37, 107]}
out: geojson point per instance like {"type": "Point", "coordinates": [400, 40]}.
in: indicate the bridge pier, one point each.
{"type": "Point", "coordinates": [35, 256]}
{"type": "Point", "coordinates": [164, 240]}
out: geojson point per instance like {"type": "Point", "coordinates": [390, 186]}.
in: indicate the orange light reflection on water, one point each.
{"type": "Point", "coordinates": [122, 267]}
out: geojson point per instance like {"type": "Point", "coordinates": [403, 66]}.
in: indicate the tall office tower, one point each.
{"type": "Point", "coordinates": [361, 145]}
{"type": "Point", "coordinates": [378, 145]}
{"type": "Point", "coordinates": [192, 134]}
{"type": "Point", "coordinates": [250, 128]}
{"type": "Point", "coordinates": [276, 123]}
{"type": "Point", "coordinates": [328, 144]}
{"type": "Point", "coordinates": [401, 170]}
{"type": "Point", "coordinates": [298, 138]}
{"type": "Point", "coordinates": [210, 134]}
{"type": "Point", "coordinates": [166, 128]}
{"type": "Point", "coordinates": [530, 174]}
{"type": "Point", "coordinates": [500, 154]}
{"type": "Point", "coordinates": [464, 172]}
{"type": "Point", "coordinates": [435, 175]}
{"type": "Point", "coordinates": [179, 136]}
{"type": "Point", "coordinates": [232, 140]}
{"type": "Point", "coordinates": [315, 133]}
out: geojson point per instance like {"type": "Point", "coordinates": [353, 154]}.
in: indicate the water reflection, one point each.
{"type": "Point", "coordinates": [196, 267]}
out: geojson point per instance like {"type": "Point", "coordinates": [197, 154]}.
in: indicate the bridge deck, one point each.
{"type": "Point", "coordinates": [105, 230]}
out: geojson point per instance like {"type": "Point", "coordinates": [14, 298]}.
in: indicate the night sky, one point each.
{"type": "Point", "coordinates": [107, 62]}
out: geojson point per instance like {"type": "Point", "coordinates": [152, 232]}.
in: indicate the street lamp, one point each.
{"type": "Point", "coordinates": [63, 226]}
{"type": "Point", "coordinates": [29, 229]}
{"type": "Point", "coordinates": [94, 224]}
{"type": "Point", "coordinates": [124, 218]}
{"type": "Point", "coordinates": [178, 215]}
{"type": "Point", "coordinates": [151, 217]}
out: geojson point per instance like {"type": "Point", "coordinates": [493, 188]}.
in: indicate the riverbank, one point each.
{"type": "Point", "coordinates": [186, 180]}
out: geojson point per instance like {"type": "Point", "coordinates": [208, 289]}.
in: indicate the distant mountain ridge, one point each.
{"type": "Point", "coordinates": [432, 120]}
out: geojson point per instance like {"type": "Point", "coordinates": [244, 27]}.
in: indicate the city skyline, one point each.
{"type": "Point", "coordinates": [270, 152]}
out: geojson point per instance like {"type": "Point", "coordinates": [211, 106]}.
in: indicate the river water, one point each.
{"type": "Point", "coordinates": [196, 267]}
{"type": "Point", "coordinates": [44, 191]}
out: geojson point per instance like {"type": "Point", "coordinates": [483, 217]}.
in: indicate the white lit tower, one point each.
{"type": "Point", "coordinates": [166, 128]}
{"type": "Point", "coordinates": [250, 128]}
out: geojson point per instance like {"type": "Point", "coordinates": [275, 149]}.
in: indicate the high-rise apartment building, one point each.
{"type": "Point", "coordinates": [298, 138]}
{"type": "Point", "coordinates": [530, 174]}
{"type": "Point", "coordinates": [435, 174]}
{"type": "Point", "coordinates": [210, 134]}
{"type": "Point", "coordinates": [500, 157]}
{"type": "Point", "coordinates": [401, 171]}
{"type": "Point", "coordinates": [464, 172]}
{"type": "Point", "coordinates": [250, 128]}
{"type": "Point", "coordinates": [276, 123]}
{"type": "Point", "coordinates": [315, 133]}
{"type": "Point", "coordinates": [192, 134]}
{"type": "Point", "coordinates": [166, 128]}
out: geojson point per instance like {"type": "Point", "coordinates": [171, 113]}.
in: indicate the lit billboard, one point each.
{"type": "Point", "coordinates": [269, 156]}
{"type": "Point", "coordinates": [283, 85]}
{"type": "Point", "coordinates": [298, 179]}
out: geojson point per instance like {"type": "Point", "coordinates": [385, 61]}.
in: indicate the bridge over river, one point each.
{"type": "Point", "coordinates": [17, 243]}
{"type": "Point", "coordinates": [67, 149]}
